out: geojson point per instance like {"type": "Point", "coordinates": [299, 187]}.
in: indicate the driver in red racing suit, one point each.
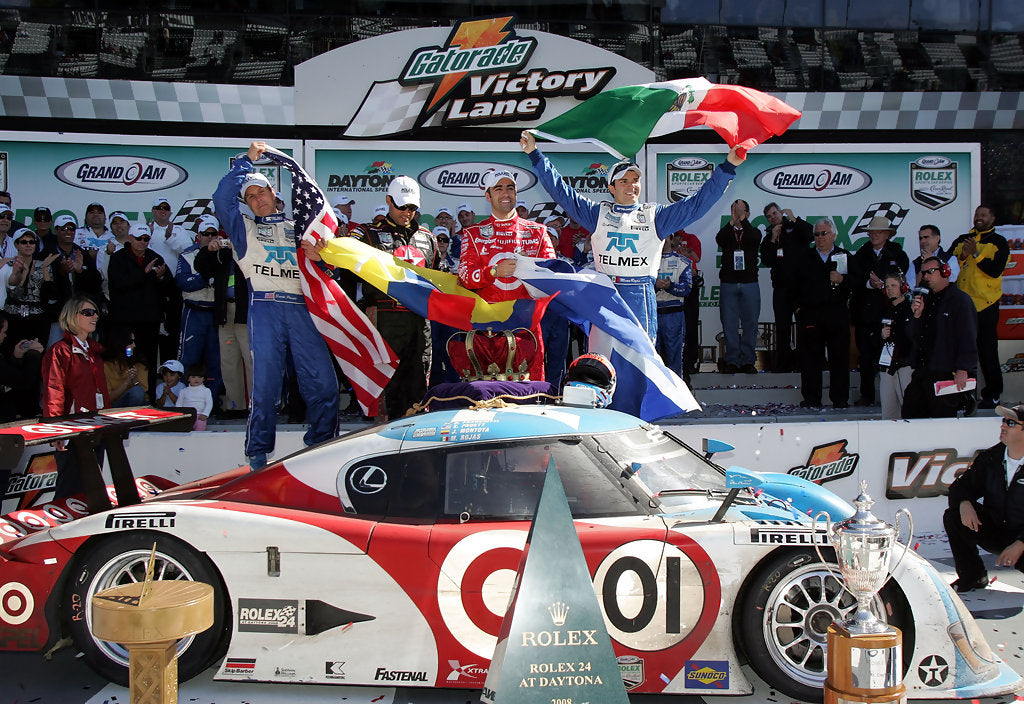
{"type": "Point", "coordinates": [488, 263]}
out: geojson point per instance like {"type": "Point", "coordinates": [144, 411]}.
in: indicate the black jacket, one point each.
{"type": "Point", "coordinates": [137, 296]}
{"type": "Point", "coordinates": [815, 285]}
{"type": "Point", "coordinates": [870, 304]}
{"type": "Point", "coordinates": [389, 236]}
{"type": "Point", "coordinates": [750, 239]}
{"type": "Point", "coordinates": [796, 236]}
{"type": "Point", "coordinates": [985, 482]}
{"type": "Point", "coordinates": [944, 338]}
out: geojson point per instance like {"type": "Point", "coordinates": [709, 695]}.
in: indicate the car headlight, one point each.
{"type": "Point", "coordinates": [970, 642]}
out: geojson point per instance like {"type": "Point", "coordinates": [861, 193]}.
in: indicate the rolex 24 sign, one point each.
{"type": "Point", "coordinates": [478, 72]}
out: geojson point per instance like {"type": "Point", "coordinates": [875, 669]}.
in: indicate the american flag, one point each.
{"type": "Point", "coordinates": [361, 352]}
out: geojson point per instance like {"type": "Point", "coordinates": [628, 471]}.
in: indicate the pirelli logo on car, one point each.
{"type": "Point", "coordinates": [784, 535]}
{"type": "Point", "coordinates": [149, 519]}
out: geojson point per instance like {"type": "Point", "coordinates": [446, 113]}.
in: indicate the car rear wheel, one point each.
{"type": "Point", "coordinates": [787, 607]}
{"type": "Point", "coordinates": [123, 559]}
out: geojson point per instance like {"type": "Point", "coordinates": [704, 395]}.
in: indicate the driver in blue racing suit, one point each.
{"type": "Point", "coordinates": [279, 322]}
{"type": "Point", "coordinates": [627, 234]}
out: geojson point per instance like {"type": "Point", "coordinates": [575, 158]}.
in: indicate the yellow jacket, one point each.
{"type": "Point", "coordinates": [981, 275]}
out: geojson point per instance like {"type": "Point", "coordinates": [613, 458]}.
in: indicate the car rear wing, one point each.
{"type": "Point", "coordinates": [83, 433]}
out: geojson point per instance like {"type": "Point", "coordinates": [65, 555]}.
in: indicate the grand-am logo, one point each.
{"type": "Point", "coordinates": [827, 462]}
{"type": "Point", "coordinates": [121, 174]}
{"type": "Point", "coordinates": [473, 78]}
{"type": "Point", "coordinates": [470, 672]}
{"type": "Point", "coordinates": [918, 475]}
{"type": "Point", "coordinates": [686, 175]}
{"type": "Point", "coordinates": [812, 180]}
{"type": "Point", "coordinates": [466, 179]}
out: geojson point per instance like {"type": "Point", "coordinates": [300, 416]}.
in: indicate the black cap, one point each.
{"type": "Point", "coordinates": [41, 211]}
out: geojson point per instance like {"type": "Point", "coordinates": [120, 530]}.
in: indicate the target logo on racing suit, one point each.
{"type": "Point", "coordinates": [653, 595]}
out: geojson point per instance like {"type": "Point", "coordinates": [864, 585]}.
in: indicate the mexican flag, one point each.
{"type": "Point", "coordinates": [620, 120]}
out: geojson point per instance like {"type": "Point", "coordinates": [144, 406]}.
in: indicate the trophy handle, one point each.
{"type": "Point", "coordinates": [910, 536]}
{"type": "Point", "coordinates": [828, 531]}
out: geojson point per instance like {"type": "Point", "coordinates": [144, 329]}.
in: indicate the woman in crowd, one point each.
{"type": "Point", "coordinates": [894, 362]}
{"type": "Point", "coordinates": [126, 372]}
{"type": "Point", "coordinates": [29, 290]}
{"type": "Point", "coordinates": [73, 381]}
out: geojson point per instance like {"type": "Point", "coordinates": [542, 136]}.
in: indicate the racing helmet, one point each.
{"type": "Point", "coordinates": [595, 372]}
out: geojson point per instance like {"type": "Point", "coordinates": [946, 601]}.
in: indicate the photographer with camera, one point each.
{"type": "Point", "coordinates": [785, 240]}
{"type": "Point", "coordinates": [943, 336]}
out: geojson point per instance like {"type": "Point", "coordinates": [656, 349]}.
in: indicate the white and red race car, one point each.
{"type": "Point", "coordinates": [387, 556]}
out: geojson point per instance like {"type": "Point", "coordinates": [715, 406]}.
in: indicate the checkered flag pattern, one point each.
{"type": "Point", "coordinates": [890, 211]}
{"type": "Point", "coordinates": [389, 108]}
{"type": "Point", "coordinates": [191, 210]}
{"type": "Point", "coordinates": [542, 211]}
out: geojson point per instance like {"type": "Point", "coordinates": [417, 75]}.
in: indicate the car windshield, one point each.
{"type": "Point", "coordinates": [668, 469]}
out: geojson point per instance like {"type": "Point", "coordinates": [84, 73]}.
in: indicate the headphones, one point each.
{"type": "Point", "coordinates": [944, 268]}
{"type": "Point", "coordinates": [899, 275]}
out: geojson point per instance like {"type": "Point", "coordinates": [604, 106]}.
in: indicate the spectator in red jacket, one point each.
{"type": "Point", "coordinates": [73, 380]}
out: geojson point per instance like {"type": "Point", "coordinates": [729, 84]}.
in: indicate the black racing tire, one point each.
{"type": "Point", "coordinates": [122, 559]}
{"type": "Point", "coordinates": [786, 607]}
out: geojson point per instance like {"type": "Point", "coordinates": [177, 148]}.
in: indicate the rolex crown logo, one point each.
{"type": "Point", "coordinates": [558, 610]}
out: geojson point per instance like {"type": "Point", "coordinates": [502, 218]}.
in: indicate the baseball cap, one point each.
{"type": "Point", "coordinates": [253, 179]}
{"type": "Point", "coordinates": [342, 218]}
{"type": "Point", "coordinates": [172, 365]}
{"type": "Point", "coordinates": [380, 210]}
{"type": "Point", "coordinates": [5, 209]}
{"type": "Point", "coordinates": [95, 206]}
{"type": "Point", "coordinates": [160, 200]}
{"type": "Point", "coordinates": [491, 178]}
{"type": "Point", "coordinates": [522, 203]}
{"type": "Point", "coordinates": [403, 191]}
{"type": "Point", "coordinates": [118, 214]}
{"type": "Point", "coordinates": [65, 219]}
{"type": "Point", "coordinates": [463, 207]}
{"type": "Point", "coordinates": [342, 199]}
{"type": "Point", "coordinates": [552, 232]}
{"type": "Point", "coordinates": [445, 210]}
{"type": "Point", "coordinates": [41, 211]}
{"type": "Point", "coordinates": [442, 230]}
{"type": "Point", "coordinates": [1015, 413]}
{"type": "Point", "coordinates": [620, 169]}
{"type": "Point", "coordinates": [552, 218]}
{"type": "Point", "coordinates": [205, 222]}
{"type": "Point", "coordinates": [138, 230]}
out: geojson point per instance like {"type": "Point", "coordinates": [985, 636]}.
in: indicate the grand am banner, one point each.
{"type": "Point", "coordinates": [481, 72]}
{"type": "Point", "coordinates": [912, 185]}
{"type": "Point", "coordinates": [449, 174]}
{"type": "Point", "coordinates": [68, 172]}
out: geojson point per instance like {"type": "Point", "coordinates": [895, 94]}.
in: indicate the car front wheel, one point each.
{"type": "Point", "coordinates": [123, 559]}
{"type": "Point", "coordinates": [786, 610]}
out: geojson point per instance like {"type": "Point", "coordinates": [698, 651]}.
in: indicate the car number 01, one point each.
{"type": "Point", "coordinates": [641, 586]}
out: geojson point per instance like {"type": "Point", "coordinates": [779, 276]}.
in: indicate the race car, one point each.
{"type": "Point", "coordinates": [388, 556]}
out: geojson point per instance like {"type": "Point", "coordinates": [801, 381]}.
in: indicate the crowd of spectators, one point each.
{"type": "Point", "coordinates": [171, 299]}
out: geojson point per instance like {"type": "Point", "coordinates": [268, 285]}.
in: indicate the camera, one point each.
{"type": "Point", "coordinates": [225, 242]}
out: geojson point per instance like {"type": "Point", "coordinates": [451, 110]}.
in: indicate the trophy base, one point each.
{"type": "Point", "coordinates": [864, 668]}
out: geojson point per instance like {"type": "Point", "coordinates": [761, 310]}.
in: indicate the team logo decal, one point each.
{"type": "Point", "coordinates": [622, 241]}
{"type": "Point", "coordinates": [707, 674]}
{"type": "Point", "coordinates": [933, 670]}
{"type": "Point", "coordinates": [933, 181]}
{"type": "Point", "coordinates": [368, 479]}
{"type": "Point", "coordinates": [16, 603]}
{"type": "Point", "coordinates": [631, 668]}
{"type": "Point", "coordinates": [827, 462]}
{"type": "Point", "coordinates": [686, 175]}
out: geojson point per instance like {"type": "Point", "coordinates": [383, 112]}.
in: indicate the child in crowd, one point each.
{"type": "Point", "coordinates": [197, 395]}
{"type": "Point", "coordinates": [167, 391]}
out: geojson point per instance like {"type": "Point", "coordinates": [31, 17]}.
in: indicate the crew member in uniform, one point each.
{"type": "Point", "coordinates": [405, 332]}
{"type": "Point", "coordinates": [488, 262]}
{"type": "Point", "coordinates": [627, 234]}
{"type": "Point", "coordinates": [279, 322]}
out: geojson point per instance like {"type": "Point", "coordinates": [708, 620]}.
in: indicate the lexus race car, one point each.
{"type": "Point", "coordinates": [387, 557]}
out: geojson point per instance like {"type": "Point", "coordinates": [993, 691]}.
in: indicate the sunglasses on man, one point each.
{"type": "Point", "coordinates": [161, 207]}
{"type": "Point", "coordinates": [407, 207]}
{"type": "Point", "coordinates": [932, 270]}
{"type": "Point", "coordinates": [32, 242]}
{"type": "Point", "coordinates": [144, 238]}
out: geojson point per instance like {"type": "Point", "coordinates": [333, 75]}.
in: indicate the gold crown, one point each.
{"type": "Point", "coordinates": [558, 610]}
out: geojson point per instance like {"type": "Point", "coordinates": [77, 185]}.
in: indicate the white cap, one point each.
{"type": "Point", "coordinates": [254, 179]}
{"type": "Point", "coordinates": [620, 169]}
{"type": "Point", "coordinates": [205, 222]}
{"type": "Point", "coordinates": [342, 218]}
{"type": "Point", "coordinates": [464, 206]}
{"type": "Point", "coordinates": [62, 220]}
{"type": "Point", "coordinates": [118, 214]}
{"type": "Point", "coordinates": [403, 191]}
{"type": "Point", "coordinates": [380, 210]}
{"type": "Point", "coordinates": [441, 230]}
{"type": "Point", "coordinates": [552, 232]}
{"type": "Point", "coordinates": [139, 230]}
{"type": "Point", "coordinates": [492, 178]}
{"type": "Point", "coordinates": [445, 210]}
{"type": "Point", "coordinates": [172, 365]}
{"type": "Point", "coordinates": [342, 199]}
{"type": "Point", "coordinates": [160, 200]}
{"type": "Point", "coordinates": [552, 218]}
{"type": "Point", "coordinates": [5, 209]}
{"type": "Point", "coordinates": [522, 203]}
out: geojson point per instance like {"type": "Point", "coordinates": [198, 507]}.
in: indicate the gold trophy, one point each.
{"type": "Point", "coordinates": [865, 656]}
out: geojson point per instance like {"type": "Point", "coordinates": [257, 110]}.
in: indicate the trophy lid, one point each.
{"type": "Point", "coordinates": [863, 521]}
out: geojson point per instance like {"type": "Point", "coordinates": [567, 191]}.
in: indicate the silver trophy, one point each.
{"type": "Point", "coordinates": [864, 546]}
